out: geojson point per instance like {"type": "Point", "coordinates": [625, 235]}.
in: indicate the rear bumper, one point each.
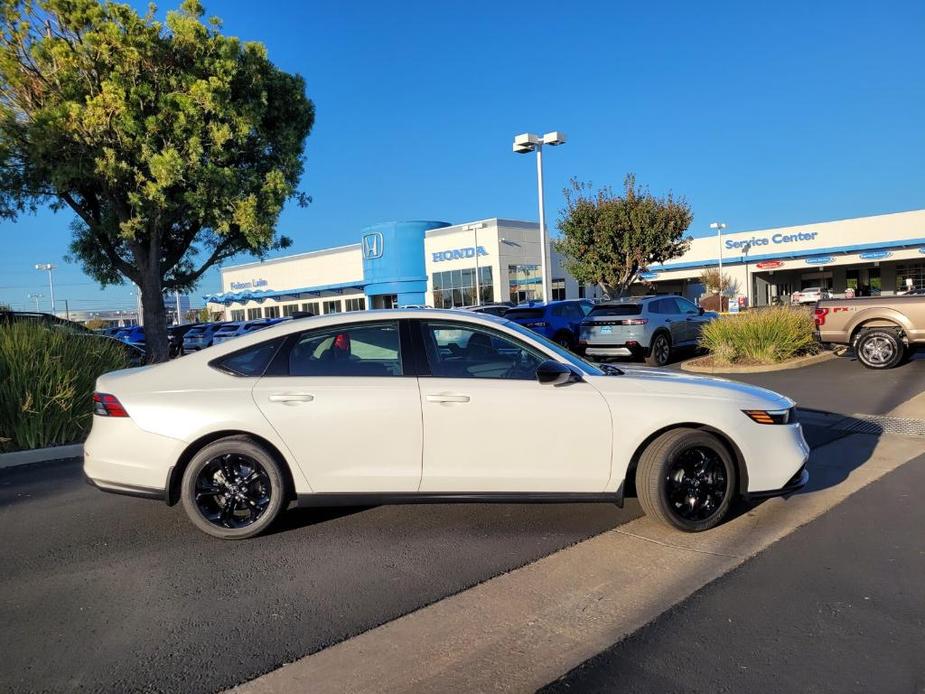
{"type": "Point", "coordinates": [610, 351]}
{"type": "Point", "coordinates": [122, 458]}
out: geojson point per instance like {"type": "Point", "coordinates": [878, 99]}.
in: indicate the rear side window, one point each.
{"type": "Point", "coordinates": [348, 350]}
{"type": "Point", "coordinates": [250, 361]}
{"type": "Point", "coordinates": [616, 310]}
{"type": "Point", "coordinates": [524, 313]}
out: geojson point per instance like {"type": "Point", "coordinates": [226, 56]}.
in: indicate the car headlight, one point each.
{"type": "Point", "coordinates": [787, 416]}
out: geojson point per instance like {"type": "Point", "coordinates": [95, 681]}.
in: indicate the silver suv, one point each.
{"type": "Point", "coordinates": [642, 326]}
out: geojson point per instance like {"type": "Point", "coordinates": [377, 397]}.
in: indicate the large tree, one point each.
{"type": "Point", "coordinates": [176, 146]}
{"type": "Point", "coordinates": [609, 239]}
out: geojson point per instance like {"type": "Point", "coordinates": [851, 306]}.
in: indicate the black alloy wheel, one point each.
{"type": "Point", "coordinates": [660, 352]}
{"type": "Point", "coordinates": [232, 491]}
{"type": "Point", "coordinates": [233, 488]}
{"type": "Point", "coordinates": [686, 478]}
{"type": "Point", "coordinates": [696, 483]}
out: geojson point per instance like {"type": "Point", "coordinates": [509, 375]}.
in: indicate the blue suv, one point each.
{"type": "Point", "coordinates": [560, 321]}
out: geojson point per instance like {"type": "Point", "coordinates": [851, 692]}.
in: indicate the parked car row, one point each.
{"type": "Point", "coordinates": [643, 327]}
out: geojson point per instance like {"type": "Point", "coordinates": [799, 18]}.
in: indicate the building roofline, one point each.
{"type": "Point", "coordinates": [842, 220]}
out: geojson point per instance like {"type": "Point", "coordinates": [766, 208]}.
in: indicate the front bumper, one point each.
{"type": "Point", "coordinates": [796, 483]}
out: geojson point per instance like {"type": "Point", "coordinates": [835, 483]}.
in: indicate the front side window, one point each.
{"type": "Point", "coordinates": [458, 350]}
{"type": "Point", "coordinates": [686, 306]}
{"type": "Point", "coordinates": [350, 350]}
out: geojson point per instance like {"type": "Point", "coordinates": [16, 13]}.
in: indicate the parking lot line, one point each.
{"type": "Point", "coordinates": [521, 630]}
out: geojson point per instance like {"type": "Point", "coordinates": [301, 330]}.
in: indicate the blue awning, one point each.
{"type": "Point", "coordinates": [260, 295]}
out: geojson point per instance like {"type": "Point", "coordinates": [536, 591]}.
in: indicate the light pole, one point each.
{"type": "Point", "coordinates": [35, 298]}
{"type": "Point", "coordinates": [474, 228]}
{"type": "Point", "coordinates": [719, 226]}
{"type": "Point", "coordinates": [48, 267]}
{"type": "Point", "coordinates": [523, 144]}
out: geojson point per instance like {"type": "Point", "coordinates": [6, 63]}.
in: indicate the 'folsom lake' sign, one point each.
{"type": "Point", "coordinates": [457, 254]}
{"type": "Point", "coordinates": [252, 284]}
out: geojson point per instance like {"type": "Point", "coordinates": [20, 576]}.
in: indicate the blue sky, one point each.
{"type": "Point", "coordinates": [761, 115]}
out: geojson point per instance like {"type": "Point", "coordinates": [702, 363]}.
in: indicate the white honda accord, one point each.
{"type": "Point", "coordinates": [406, 406]}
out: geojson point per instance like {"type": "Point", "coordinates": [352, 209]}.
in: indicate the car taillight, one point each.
{"type": "Point", "coordinates": [819, 315]}
{"type": "Point", "coordinates": [633, 321]}
{"type": "Point", "coordinates": [106, 405]}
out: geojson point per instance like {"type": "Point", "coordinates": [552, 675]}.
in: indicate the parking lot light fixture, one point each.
{"type": "Point", "coordinates": [48, 267]}
{"type": "Point", "coordinates": [719, 226]}
{"type": "Point", "coordinates": [524, 144]}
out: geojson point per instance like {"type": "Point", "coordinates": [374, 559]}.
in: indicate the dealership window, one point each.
{"type": "Point", "coordinates": [355, 304]}
{"type": "Point", "coordinates": [310, 307]}
{"type": "Point", "coordinates": [912, 271]}
{"type": "Point", "coordinates": [271, 312]}
{"type": "Point", "coordinates": [525, 282]}
{"type": "Point", "coordinates": [558, 290]}
{"type": "Point", "coordinates": [237, 314]}
{"type": "Point", "coordinates": [581, 291]}
{"type": "Point", "coordinates": [253, 314]}
{"type": "Point", "coordinates": [332, 306]}
{"type": "Point", "coordinates": [457, 287]}
{"type": "Point", "coordinates": [289, 309]}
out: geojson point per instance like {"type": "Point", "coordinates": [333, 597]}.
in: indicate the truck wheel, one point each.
{"type": "Point", "coordinates": [879, 348]}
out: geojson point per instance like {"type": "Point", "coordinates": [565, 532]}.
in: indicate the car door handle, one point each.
{"type": "Point", "coordinates": [446, 397]}
{"type": "Point", "coordinates": [291, 398]}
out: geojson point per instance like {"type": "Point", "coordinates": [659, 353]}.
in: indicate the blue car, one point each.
{"type": "Point", "coordinates": [560, 321]}
{"type": "Point", "coordinates": [134, 336]}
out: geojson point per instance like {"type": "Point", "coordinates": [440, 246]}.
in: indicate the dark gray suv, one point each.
{"type": "Point", "coordinates": [643, 326]}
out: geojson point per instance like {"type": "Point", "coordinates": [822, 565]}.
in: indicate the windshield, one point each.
{"type": "Point", "coordinates": [616, 310]}
{"type": "Point", "coordinates": [573, 359]}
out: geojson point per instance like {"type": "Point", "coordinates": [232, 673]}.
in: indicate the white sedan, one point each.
{"type": "Point", "coordinates": [407, 406]}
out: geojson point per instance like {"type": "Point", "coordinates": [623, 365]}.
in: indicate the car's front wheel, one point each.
{"type": "Point", "coordinates": [686, 479]}
{"type": "Point", "coordinates": [879, 348]}
{"type": "Point", "coordinates": [233, 489]}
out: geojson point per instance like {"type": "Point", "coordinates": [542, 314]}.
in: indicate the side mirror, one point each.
{"type": "Point", "coordinates": [701, 310]}
{"type": "Point", "coordinates": [554, 373]}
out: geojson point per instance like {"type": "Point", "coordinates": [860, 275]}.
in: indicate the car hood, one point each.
{"type": "Point", "coordinates": [662, 382]}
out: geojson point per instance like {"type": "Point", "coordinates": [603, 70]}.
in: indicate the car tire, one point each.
{"type": "Point", "coordinates": [686, 479]}
{"type": "Point", "coordinates": [660, 351]}
{"type": "Point", "coordinates": [879, 348]}
{"type": "Point", "coordinates": [217, 496]}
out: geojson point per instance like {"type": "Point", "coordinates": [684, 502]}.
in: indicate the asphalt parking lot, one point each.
{"type": "Point", "coordinates": [129, 596]}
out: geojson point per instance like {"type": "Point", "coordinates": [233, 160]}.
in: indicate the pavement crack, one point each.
{"type": "Point", "coordinates": [671, 546]}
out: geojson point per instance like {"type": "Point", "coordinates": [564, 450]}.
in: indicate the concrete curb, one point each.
{"type": "Point", "coordinates": [40, 455]}
{"type": "Point", "coordinates": [689, 365]}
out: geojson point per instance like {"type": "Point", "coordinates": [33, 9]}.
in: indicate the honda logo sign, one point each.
{"type": "Point", "coordinates": [372, 245]}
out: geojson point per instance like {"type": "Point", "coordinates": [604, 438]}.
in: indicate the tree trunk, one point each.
{"type": "Point", "coordinates": [155, 318]}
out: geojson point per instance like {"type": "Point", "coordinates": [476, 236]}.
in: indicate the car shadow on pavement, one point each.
{"type": "Point", "coordinates": [295, 518]}
{"type": "Point", "coordinates": [828, 467]}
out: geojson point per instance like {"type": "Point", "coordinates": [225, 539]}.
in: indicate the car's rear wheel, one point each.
{"type": "Point", "coordinates": [660, 351]}
{"type": "Point", "coordinates": [880, 348]}
{"type": "Point", "coordinates": [686, 478]}
{"type": "Point", "coordinates": [564, 339]}
{"type": "Point", "coordinates": [233, 489]}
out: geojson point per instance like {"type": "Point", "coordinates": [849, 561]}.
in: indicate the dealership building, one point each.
{"type": "Point", "coordinates": [443, 265]}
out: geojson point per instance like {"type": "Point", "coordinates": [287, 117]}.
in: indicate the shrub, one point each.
{"type": "Point", "coordinates": [760, 336]}
{"type": "Point", "coordinates": [47, 376]}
